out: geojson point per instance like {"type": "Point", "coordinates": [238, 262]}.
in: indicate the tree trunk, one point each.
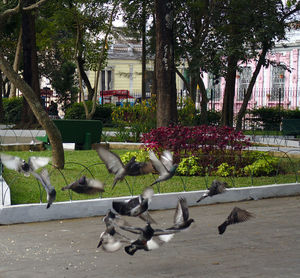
{"type": "Point", "coordinates": [165, 68]}
{"type": "Point", "coordinates": [1, 103]}
{"type": "Point", "coordinates": [52, 131]}
{"type": "Point", "coordinates": [31, 76]}
{"type": "Point", "coordinates": [228, 100]}
{"type": "Point", "coordinates": [248, 94]}
{"type": "Point", "coordinates": [203, 103]}
{"type": "Point", "coordinates": [16, 65]}
{"type": "Point", "coordinates": [144, 51]}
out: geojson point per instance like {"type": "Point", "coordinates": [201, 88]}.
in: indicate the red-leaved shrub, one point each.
{"type": "Point", "coordinates": [209, 142]}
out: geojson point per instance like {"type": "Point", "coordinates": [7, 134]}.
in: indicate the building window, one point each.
{"type": "Point", "coordinates": [277, 91]}
{"type": "Point", "coordinates": [106, 80]}
{"type": "Point", "coordinates": [244, 78]}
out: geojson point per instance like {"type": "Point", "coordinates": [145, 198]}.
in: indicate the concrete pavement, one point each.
{"type": "Point", "coordinates": [266, 246]}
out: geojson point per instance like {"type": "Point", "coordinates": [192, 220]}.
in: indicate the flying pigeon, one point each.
{"type": "Point", "coordinates": [145, 240]}
{"type": "Point", "coordinates": [237, 215]}
{"type": "Point", "coordinates": [165, 167]}
{"type": "Point", "coordinates": [44, 179]}
{"type": "Point", "coordinates": [20, 165]}
{"type": "Point", "coordinates": [115, 166]}
{"type": "Point", "coordinates": [86, 186]}
{"type": "Point", "coordinates": [181, 216]}
{"type": "Point", "coordinates": [217, 187]}
{"type": "Point", "coordinates": [137, 206]}
{"type": "Point", "coordinates": [110, 240]}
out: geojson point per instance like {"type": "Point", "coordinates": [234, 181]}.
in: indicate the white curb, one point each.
{"type": "Point", "coordinates": [97, 207]}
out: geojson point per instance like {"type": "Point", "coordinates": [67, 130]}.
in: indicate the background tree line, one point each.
{"type": "Point", "coordinates": [61, 40]}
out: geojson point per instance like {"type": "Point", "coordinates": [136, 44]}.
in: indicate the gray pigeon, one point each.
{"type": "Point", "coordinates": [137, 206]}
{"type": "Point", "coordinates": [110, 240]}
{"type": "Point", "coordinates": [181, 217]}
{"type": "Point", "coordinates": [145, 240]}
{"type": "Point", "coordinates": [217, 187]}
{"type": "Point", "coordinates": [165, 167]}
{"type": "Point", "coordinates": [237, 215]}
{"type": "Point", "coordinates": [20, 165]}
{"type": "Point", "coordinates": [44, 179]}
{"type": "Point", "coordinates": [115, 166]}
{"type": "Point", "coordinates": [85, 185]}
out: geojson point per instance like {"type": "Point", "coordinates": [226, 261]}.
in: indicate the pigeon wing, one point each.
{"type": "Point", "coordinates": [167, 159]}
{"type": "Point", "coordinates": [181, 212]}
{"type": "Point", "coordinates": [94, 183]}
{"type": "Point", "coordinates": [36, 162]}
{"type": "Point", "coordinates": [148, 193]}
{"type": "Point", "coordinates": [112, 162]}
{"type": "Point", "coordinates": [157, 164]}
{"type": "Point", "coordinates": [11, 162]}
{"type": "Point", "coordinates": [238, 215]}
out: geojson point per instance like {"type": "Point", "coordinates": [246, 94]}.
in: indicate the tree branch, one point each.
{"type": "Point", "coordinates": [34, 6]}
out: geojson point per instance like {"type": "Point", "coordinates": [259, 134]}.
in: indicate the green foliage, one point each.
{"type": "Point", "coordinates": [103, 112]}
{"type": "Point", "coordinates": [12, 109]}
{"type": "Point", "coordinates": [132, 121]}
{"type": "Point", "coordinates": [213, 118]}
{"type": "Point", "coordinates": [225, 170]}
{"type": "Point", "coordinates": [269, 116]}
{"type": "Point", "coordinates": [63, 81]}
{"type": "Point", "coordinates": [187, 112]}
{"type": "Point", "coordinates": [189, 166]}
{"type": "Point", "coordinates": [262, 167]}
{"type": "Point", "coordinates": [141, 156]}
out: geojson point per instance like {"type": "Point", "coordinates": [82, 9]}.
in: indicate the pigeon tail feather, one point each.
{"type": "Point", "coordinates": [222, 227]}
{"type": "Point", "coordinates": [130, 249]}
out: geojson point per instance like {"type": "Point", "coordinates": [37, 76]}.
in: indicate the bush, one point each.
{"type": "Point", "coordinates": [270, 117]}
{"type": "Point", "coordinates": [103, 113]}
{"type": "Point", "coordinates": [132, 121]}
{"type": "Point", "coordinates": [213, 118]}
{"type": "Point", "coordinates": [211, 145]}
{"type": "Point", "coordinates": [189, 166]}
{"type": "Point", "coordinates": [141, 156]}
{"type": "Point", "coordinates": [12, 109]}
{"type": "Point", "coordinates": [262, 167]}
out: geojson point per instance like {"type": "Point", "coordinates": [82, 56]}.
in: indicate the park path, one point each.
{"type": "Point", "coordinates": [266, 246]}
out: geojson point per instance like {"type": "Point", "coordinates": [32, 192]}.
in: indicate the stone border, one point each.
{"type": "Point", "coordinates": [97, 207]}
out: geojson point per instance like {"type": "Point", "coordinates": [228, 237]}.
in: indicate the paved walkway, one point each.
{"type": "Point", "coordinates": [267, 246]}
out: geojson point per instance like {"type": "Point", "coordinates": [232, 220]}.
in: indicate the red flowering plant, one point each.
{"type": "Point", "coordinates": [212, 145]}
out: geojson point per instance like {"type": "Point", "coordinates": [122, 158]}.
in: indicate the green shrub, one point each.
{"type": "Point", "coordinates": [12, 109]}
{"type": "Point", "coordinates": [187, 112]}
{"type": "Point", "coordinates": [262, 167]}
{"type": "Point", "coordinates": [190, 166]}
{"type": "Point", "coordinates": [213, 118]}
{"type": "Point", "coordinates": [132, 121]}
{"type": "Point", "coordinates": [225, 170]}
{"type": "Point", "coordinates": [141, 156]}
{"type": "Point", "coordinates": [103, 113]}
{"type": "Point", "coordinates": [270, 117]}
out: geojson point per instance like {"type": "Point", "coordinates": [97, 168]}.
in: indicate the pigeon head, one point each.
{"type": "Point", "coordinates": [25, 166]}
{"type": "Point", "coordinates": [82, 180]}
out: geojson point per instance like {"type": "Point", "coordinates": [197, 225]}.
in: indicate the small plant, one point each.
{"type": "Point", "coordinates": [135, 119]}
{"type": "Point", "coordinates": [262, 167]}
{"type": "Point", "coordinates": [141, 156]}
{"type": "Point", "coordinates": [190, 166]}
{"type": "Point", "coordinates": [224, 170]}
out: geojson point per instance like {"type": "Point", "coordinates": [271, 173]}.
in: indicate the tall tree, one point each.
{"type": "Point", "coordinates": [165, 66]}
{"type": "Point", "coordinates": [30, 63]}
{"type": "Point", "coordinates": [29, 94]}
{"type": "Point", "coordinates": [270, 25]}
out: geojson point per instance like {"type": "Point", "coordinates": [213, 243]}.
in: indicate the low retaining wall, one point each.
{"type": "Point", "coordinates": [97, 207]}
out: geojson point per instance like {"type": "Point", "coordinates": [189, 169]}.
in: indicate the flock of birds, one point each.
{"type": "Point", "coordinates": [112, 239]}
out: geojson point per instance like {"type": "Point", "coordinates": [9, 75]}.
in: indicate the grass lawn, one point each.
{"type": "Point", "coordinates": [27, 190]}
